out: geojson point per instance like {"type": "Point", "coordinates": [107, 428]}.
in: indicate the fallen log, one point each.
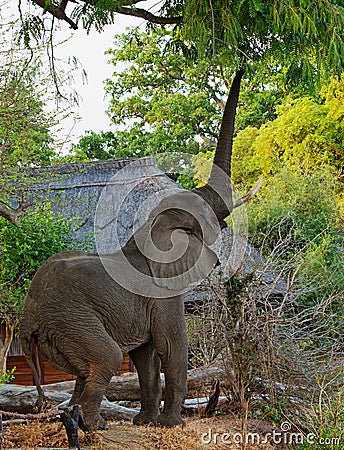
{"type": "Point", "coordinates": [111, 411]}
{"type": "Point", "coordinates": [22, 399]}
{"type": "Point", "coordinates": [39, 416]}
{"type": "Point", "coordinates": [127, 387]}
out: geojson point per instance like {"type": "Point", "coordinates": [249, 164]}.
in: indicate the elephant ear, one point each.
{"type": "Point", "coordinates": [177, 258]}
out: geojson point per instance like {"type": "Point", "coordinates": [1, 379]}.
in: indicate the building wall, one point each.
{"type": "Point", "coordinates": [23, 375]}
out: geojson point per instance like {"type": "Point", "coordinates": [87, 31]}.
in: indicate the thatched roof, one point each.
{"type": "Point", "coordinates": [116, 187]}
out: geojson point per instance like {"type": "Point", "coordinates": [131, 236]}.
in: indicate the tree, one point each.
{"type": "Point", "coordinates": [94, 146]}
{"type": "Point", "coordinates": [22, 251]}
{"type": "Point", "coordinates": [24, 136]}
{"type": "Point", "coordinates": [306, 136]}
{"type": "Point", "coordinates": [165, 99]}
{"type": "Point", "coordinates": [299, 36]}
{"type": "Point", "coordinates": [238, 30]}
{"type": "Point", "coordinates": [161, 102]}
{"type": "Point", "coordinates": [302, 39]}
{"type": "Point", "coordinates": [26, 140]}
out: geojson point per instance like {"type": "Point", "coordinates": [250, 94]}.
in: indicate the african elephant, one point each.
{"type": "Point", "coordinates": [85, 311]}
{"type": "Point", "coordinates": [83, 320]}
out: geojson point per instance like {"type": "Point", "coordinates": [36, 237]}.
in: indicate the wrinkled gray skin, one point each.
{"type": "Point", "coordinates": [84, 321]}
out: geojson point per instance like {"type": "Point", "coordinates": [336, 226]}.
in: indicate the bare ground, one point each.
{"type": "Point", "coordinates": [123, 435]}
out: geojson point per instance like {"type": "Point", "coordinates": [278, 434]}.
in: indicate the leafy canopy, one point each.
{"type": "Point", "coordinates": [307, 137]}
{"type": "Point", "coordinates": [23, 250]}
{"type": "Point", "coordinates": [24, 126]}
{"type": "Point", "coordinates": [164, 99]}
{"type": "Point", "coordinates": [299, 33]}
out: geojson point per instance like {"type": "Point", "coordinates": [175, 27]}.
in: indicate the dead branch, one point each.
{"type": "Point", "coordinates": [39, 416]}
{"type": "Point", "coordinates": [213, 399]}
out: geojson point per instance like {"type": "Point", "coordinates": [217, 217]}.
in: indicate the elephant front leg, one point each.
{"type": "Point", "coordinates": [175, 393]}
{"type": "Point", "coordinates": [173, 354]}
{"type": "Point", "coordinates": [147, 363]}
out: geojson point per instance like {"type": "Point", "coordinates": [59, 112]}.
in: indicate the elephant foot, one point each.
{"type": "Point", "coordinates": [92, 423]}
{"type": "Point", "coordinates": [170, 420]}
{"type": "Point", "coordinates": [145, 418]}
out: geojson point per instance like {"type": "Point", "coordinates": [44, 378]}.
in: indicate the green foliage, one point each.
{"type": "Point", "coordinates": [23, 250]}
{"type": "Point", "coordinates": [300, 35]}
{"type": "Point", "coordinates": [307, 137]}
{"type": "Point", "coordinates": [25, 138]}
{"type": "Point", "coordinates": [164, 99]}
{"type": "Point", "coordinates": [6, 377]}
{"type": "Point", "coordinates": [326, 422]}
{"type": "Point", "coordinates": [290, 203]}
{"type": "Point", "coordinates": [296, 219]}
{"type": "Point", "coordinates": [163, 95]}
{"type": "Point", "coordinates": [24, 132]}
{"type": "Point", "coordinates": [98, 14]}
{"type": "Point", "coordinates": [93, 146]}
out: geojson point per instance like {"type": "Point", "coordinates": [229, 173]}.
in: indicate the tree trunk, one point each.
{"type": "Point", "coordinates": [5, 345]}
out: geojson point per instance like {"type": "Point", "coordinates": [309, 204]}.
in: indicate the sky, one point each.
{"type": "Point", "coordinates": [89, 50]}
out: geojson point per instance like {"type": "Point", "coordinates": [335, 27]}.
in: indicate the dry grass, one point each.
{"type": "Point", "coordinates": [123, 435]}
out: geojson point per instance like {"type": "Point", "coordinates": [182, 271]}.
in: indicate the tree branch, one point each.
{"type": "Point", "coordinates": [208, 141]}
{"type": "Point", "coordinates": [167, 72]}
{"type": "Point", "coordinates": [13, 215]}
{"type": "Point", "coordinates": [218, 101]}
{"type": "Point", "coordinates": [146, 15]}
{"type": "Point", "coordinates": [58, 11]}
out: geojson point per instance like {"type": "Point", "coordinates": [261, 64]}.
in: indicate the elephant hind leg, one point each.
{"type": "Point", "coordinates": [79, 388]}
{"type": "Point", "coordinates": [102, 364]}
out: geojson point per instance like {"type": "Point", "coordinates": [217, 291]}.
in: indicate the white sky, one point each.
{"type": "Point", "coordinates": [89, 50]}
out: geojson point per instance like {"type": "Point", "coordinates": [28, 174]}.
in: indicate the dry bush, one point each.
{"type": "Point", "coordinates": [272, 345]}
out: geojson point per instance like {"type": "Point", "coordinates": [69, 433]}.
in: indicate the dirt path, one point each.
{"type": "Point", "coordinates": [208, 434]}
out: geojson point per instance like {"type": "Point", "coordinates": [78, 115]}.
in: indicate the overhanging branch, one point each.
{"type": "Point", "coordinates": [58, 11]}
{"type": "Point", "coordinates": [146, 15]}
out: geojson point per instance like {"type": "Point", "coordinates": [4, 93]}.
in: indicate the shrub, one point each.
{"type": "Point", "coordinates": [303, 211]}
{"type": "Point", "coordinates": [23, 250]}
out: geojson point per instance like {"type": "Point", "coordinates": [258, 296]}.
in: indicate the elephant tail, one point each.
{"type": "Point", "coordinates": [26, 346]}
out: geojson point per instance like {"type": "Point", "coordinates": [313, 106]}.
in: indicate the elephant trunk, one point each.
{"type": "Point", "coordinates": [218, 191]}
